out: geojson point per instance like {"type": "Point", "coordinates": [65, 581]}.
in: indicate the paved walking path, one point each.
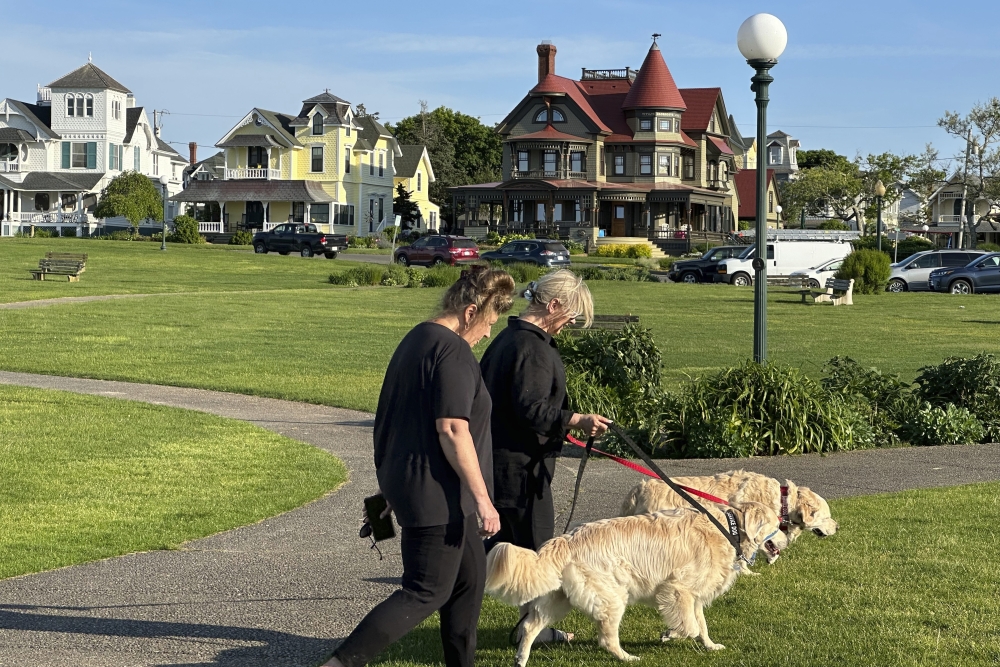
{"type": "Point", "coordinates": [283, 591]}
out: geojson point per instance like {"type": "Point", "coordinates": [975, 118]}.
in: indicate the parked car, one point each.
{"type": "Point", "coordinates": [783, 259]}
{"type": "Point", "coordinates": [817, 276]}
{"type": "Point", "coordinates": [300, 237]}
{"type": "Point", "coordinates": [912, 274]}
{"type": "Point", "coordinates": [981, 275]}
{"type": "Point", "coordinates": [539, 251]}
{"type": "Point", "coordinates": [704, 268]}
{"type": "Point", "coordinates": [432, 250]}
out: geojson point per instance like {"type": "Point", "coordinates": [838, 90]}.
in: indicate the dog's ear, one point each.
{"type": "Point", "coordinates": [757, 519]}
{"type": "Point", "coordinates": [807, 505]}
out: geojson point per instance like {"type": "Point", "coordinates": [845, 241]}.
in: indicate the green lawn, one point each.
{"type": "Point", "coordinates": [331, 345]}
{"type": "Point", "coordinates": [86, 478]}
{"type": "Point", "coordinates": [133, 267]}
{"type": "Point", "coordinates": [910, 579]}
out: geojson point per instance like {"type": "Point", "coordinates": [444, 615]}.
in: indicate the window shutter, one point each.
{"type": "Point", "coordinates": [65, 154]}
{"type": "Point", "coordinates": [121, 158]}
{"type": "Point", "coordinates": [135, 158]}
{"type": "Point", "coordinates": [111, 156]}
{"type": "Point", "coordinates": [91, 155]}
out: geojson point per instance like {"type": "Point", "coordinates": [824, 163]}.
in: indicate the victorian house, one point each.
{"type": "Point", "coordinates": [58, 153]}
{"type": "Point", "coordinates": [617, 153]}
{"type": "Point", "coordinates": [326, 165]}
{"type": "Point", "coordinates": [415, 174]}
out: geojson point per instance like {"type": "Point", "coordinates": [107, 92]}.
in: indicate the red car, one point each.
{"type": "Point", "coordinates": [431, 250]}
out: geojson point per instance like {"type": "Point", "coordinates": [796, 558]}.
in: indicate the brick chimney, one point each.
{"type": "Point", "coordinates": [193, 148]}
{"type": "Point", "coordinates": [546, 59]}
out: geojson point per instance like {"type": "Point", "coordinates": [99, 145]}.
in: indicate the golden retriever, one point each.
{"type": "Point", "coordinates": [806, 510]}
{"type": "Point", "coordinates": [676, 561]}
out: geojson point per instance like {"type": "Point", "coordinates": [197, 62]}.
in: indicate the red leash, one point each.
{"type": "Point", "coordinates": [646, 471]}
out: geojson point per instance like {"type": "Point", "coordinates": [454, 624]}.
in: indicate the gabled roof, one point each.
{"type": "Point", "coordinates": [131, 120]}
{"type": "Point", "coordinates": [361, 144]}
{"type": "Point", "coordinates": [553, 134]}
{"type": "Point", "coordinates": [371, 131]}
{"type": "Point", "coordinates": [326, 98]}
{"type": "Point", "coordinates": [736, 138]}
{"type": "Point", "coordinates": [746, 186]}
{"type": "Point", "coordinates": [13, 135]}
{"type": "Point", "coordinates": [280, 122]}
{"type": "Point", "coordinates": [40, 116]}
{"type": "Point", "coordinates": [212, 165]}
{"type": "Point", "coordinates": [654, 87]}
{"type": "Point", "coordinates": [700, 105]}
{"type": "Point", "coordinates": [406, 164]}
{"type": "Point", "coordinates": [721, 145]}
{"type": "Point", "coordinates": [89, 76]}
{"type": "Point", "coordinates": [560, 85]}
{"type": "Point", "coordinates": [164, 147]}
{"type": "Point", "coordinates": [336, 110]}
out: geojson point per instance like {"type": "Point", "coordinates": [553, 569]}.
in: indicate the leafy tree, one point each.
{"type": "Point", "coordinates": [837, 225]}
{"type": "Point", "coordinates": [132, 196]}
{"type": "Point", "coordinates": [405, 207]}
{"type": "Point", "coordinates": [461, 148]}
{"type": "Point", "coordinates": [981, 129]}
{"type": "Point", "coordinates": [925, 178]}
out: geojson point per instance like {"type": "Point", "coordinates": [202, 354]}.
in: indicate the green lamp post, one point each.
{"type": "Point", "coordinates": [761, 39]}
{"type": "Point", "coordinates": [163, 237]}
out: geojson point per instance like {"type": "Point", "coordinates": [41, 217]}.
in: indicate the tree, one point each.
{"type": "Point", "coordinates": [405, 207]}
{"type": "Point", "coordinates": [980, 129]}
{"type": "Point", "coordinates": [363, 112]}
{"type": "Point", "coordinates": [461, 148]}
{"type": "Point", "coordinates": [132, 196]}
{"type": "Point", "coordinates": [925, 178]}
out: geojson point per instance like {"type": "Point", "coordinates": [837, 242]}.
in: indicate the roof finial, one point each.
{"type": "Point", "coordinates": [90, 57]}
{"type": "Point", "coordinates": [656, 36]}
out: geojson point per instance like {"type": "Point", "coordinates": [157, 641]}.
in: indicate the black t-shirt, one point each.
{"type": "Point", "coordinates": [527, 381]}
{"type": "Point", "coordinates": [432, 375]}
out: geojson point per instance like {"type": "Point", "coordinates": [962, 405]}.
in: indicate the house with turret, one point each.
{"type": "Point", "coordinates": [58, 153]}
{"type": "Point", "coordinates": [613, 154]}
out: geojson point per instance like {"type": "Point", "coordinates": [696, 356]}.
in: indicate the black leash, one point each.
{"type": "Point", "coordinates": [579, 477]}
{"type": "Point", "coordinates": [732, 531]}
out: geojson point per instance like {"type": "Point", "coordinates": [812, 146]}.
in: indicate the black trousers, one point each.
{"type": "Point", "coordinates": [444, 569]}
{"type": "Point", "coordinates": [528, 527]}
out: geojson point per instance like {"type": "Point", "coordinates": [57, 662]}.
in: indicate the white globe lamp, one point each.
{"type": "Point", "coordinates": [762, 37]}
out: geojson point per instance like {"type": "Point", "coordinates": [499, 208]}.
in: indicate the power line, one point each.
{"type": "Point", "coordinates": [847, 127]}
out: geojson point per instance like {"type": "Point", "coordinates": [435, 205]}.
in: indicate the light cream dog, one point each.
{"type": "Point", "coordinates": [676, 561]}
{"type": "Point", "coordinates": [806, 510]}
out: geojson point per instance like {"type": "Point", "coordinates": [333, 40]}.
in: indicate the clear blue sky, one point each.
{"type": "Point", "coordinates": [889, 67]}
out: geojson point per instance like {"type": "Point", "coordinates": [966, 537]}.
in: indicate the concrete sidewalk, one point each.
{"type": "Point", "coordinates": [283, 591]}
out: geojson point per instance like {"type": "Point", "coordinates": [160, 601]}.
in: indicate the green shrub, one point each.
{"type": "Point", "coordinates": [886, 400]}
{"type": "Point", "coordinates": [759, 409]}
{"type": "Point", "coordinates": [441, 275]}
{"type": "Point", "coordinates": [971, 383]}
{"type": "Point", "coordinates": [912, 245]}
{"type": "Point", "coordinates": [870, 242]}
{"type": "Point", "coordinates": [523, 272]}
{"type": "Point", "coordinates": [395, 276]}
{"type": "Point", "coordinates": [118, 235]}
{"type": "Point", "coordinates": [185, 231]}
{"type": "Point", "coordinates": [575, 248]}
{"type": "Point", "coordinates": [868, 268]}
{"type": "Point", "coordinates": [366, 274]}
{"type": "Point", "coordinates": [836, 225]}
{"type": "Point", "coordinates": [743, 225]}
{"type": "Point", "coordinates": [667, 262]}
{"type": "Point", "coordinates": [362, 241]}
{"type": "Point", "coordinates": [414, 277]}
{"type": "Point", "coordinates": [44, 233]}
{"type": "Point", "coordinates": [630, 250]}
{"type": "Point", "coordinates": [495, 239]}
{"type": "Point", "coordinates": [988, 247]}
{"type": "Point", "coordinates": [934, 425]}
{"type": "Point", "coordinates": [242, 237]}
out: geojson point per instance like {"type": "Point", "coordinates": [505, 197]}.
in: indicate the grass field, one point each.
{"type": "Point", "coordinates": [88, 477]}
{"type": "Point", "coordinates": [907, 581]}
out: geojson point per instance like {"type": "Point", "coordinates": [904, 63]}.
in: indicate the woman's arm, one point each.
{"type": "Point", "coordinates": [460, 450]}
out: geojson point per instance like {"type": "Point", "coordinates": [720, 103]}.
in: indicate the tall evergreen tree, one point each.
{"type": "Point", "coordinates": [405, 208]}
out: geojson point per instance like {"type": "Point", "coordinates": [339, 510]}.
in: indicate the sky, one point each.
{"type": "Point", "coordinates": [857, 77]}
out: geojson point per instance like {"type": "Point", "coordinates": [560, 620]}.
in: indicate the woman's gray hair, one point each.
{"type": "Point", "coordinates": [564, 285]}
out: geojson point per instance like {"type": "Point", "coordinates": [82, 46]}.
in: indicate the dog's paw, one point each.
{"type": "Point", "coordinates": [712, 646]}
{"type": "Point", "coordinates": [751, 573]}
{"type": "Point", "coordinates": [667, 636]}
{"type": "Point", "coordinates": [628, 657]}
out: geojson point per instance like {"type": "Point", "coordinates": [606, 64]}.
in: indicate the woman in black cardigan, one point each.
{"type": "Point", "coordinates": [527, 382]}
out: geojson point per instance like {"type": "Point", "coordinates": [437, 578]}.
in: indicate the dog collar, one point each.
{"type": "Point", "coordinates": [783, 525]}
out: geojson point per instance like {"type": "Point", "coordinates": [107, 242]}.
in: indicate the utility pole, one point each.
{"type": "Point", "coordinates": [968, 211]}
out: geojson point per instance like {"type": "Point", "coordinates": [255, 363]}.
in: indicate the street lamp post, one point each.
{"type": "Point", "coordinates": [761, 39]}
{"type": "Point", "coordinates": [879, 193]}
{"type": "Point", "coordinates": [163, 235]}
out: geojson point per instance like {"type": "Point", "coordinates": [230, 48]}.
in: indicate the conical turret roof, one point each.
{"type": "Point", "coordinates": [654, 87]}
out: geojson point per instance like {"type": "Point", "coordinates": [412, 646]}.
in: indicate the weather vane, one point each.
{"type": "Point", "coordinates": [656, 36]}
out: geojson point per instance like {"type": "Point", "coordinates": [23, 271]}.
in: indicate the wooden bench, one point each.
{"type": "Point", "coordinates": [66, 264]}
{"type": "Point", "coordinates": [605, 322]}
{"type": "Point", "coordinates": [845, 288]}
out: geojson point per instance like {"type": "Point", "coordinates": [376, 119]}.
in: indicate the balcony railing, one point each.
{"type": "Point", "coordinates": [603, 74]}
{"type": "Point", "coordinates": [561, 174]}
{"type": "Point", "coordinates": [50, 218]}
{"type": "Point", "coordinates": [256, 173]}
{"type": "Point", "coordinates": [950, 219]}
{"type": "Point", "coordinates": [210, 227]}
{"type": "Point", "coordinates": [8, 167]}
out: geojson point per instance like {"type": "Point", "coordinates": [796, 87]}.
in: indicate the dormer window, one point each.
{"type": "Point", "coordinates": [664, 125]}
{"type": "Point", "coordinates": [318, 124]}
{"type": "Point", "coordinates": [774, 154]}
{"type": "Point", "coordinates": [646, 124]}
{"type": "Point", "coordinates": [557, 116]}
{"type": "Point", "coordinates": [116, 109]}
{"type": "Point", "coordinates": [70, 105]}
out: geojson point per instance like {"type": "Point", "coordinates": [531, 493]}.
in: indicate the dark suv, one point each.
{"type": "Point", "coordinates": [703, 269]}
{"type": "Point", "coordinates": [537, 251]}
{"type": "Point", "coordinates": [981, 275]}
{"type": "Point", "coordinates": [432, 250]}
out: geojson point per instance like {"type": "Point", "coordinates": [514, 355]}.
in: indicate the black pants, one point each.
{"type": "Point", "coordinates": [528, 527]}
{"type": "Point", "coordinates": [444, 569]}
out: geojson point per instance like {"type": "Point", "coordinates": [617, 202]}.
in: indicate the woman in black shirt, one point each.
{"type": "Point", "coordinates": [433, 460]}
{"type": "Point", "coordinates": [527, 382]}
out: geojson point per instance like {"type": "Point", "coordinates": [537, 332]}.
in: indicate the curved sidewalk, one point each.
{"type": "Point", "coordinates": [282, 591]}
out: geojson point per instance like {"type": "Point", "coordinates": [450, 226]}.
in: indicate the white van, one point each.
{"type": "Point", "coordinates": [783, 259]}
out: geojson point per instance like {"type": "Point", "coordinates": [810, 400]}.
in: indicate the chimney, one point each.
{"type": "Point", "coordinates": [193, 148]}
{"type": "Point", "coordinates": [546, 59]}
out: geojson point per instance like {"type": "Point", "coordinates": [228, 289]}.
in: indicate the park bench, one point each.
{"type": "Point", "coordinates": [605, 322]}
{"type": "Point", "coordinates": [837, 292]}
{"type": "Point", "coordinates": [66, 264]}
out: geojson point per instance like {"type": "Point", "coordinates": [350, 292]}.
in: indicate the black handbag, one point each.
{"type": "Point", "coordinates": [376, 527]}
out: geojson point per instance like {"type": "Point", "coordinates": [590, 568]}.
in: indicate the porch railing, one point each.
{"type": "Point", "coordinates": [950, 219]}
{"type": "Point", "coordinates": [243, 174]}
{"type": "Point", "coordinates": [562, 174]}
{"type": "Point", "coordinates": [210, 227]}
{"type": "Point", "coordinates": [40, 218]}
{"type": "Point", "coordinates": [9, 167]}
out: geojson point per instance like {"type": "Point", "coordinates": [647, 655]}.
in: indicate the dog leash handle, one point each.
{"type": "Point", "coordinates": [579, 478]}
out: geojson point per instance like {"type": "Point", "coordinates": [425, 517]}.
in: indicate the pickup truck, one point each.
{"type": "Point", "coordinates": [303, 238]}
{"type": "Point", "coordinates": [704, 268]}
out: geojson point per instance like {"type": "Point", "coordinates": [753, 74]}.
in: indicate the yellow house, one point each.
{"type": "Point", "coordinates": [326, 165]}
{"type": "Point", "coordinates": [415, 174]}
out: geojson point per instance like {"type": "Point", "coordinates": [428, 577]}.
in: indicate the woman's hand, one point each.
{"type": "Point", "coordinates": [489, 517]}
{"type": "Point", "coordinates": [387, 511]}
{"type": "Point", "coordinates": [590, 425]}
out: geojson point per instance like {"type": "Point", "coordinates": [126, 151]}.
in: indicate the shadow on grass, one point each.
{"type": "Point", "coordinates": [265, 647]}
{"type": "Point", "coordinates": [423, 645]}
{"type": "Point", "coordinates": [981, 321]}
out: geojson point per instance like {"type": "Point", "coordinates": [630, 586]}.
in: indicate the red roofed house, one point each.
{"type": "Point", "coordinates": [619, 152]}
{"type": "Point", "coordinates": [746, 185]}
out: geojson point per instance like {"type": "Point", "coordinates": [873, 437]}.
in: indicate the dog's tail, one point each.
{"type": "Point", "coordinates": [517, 575]}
